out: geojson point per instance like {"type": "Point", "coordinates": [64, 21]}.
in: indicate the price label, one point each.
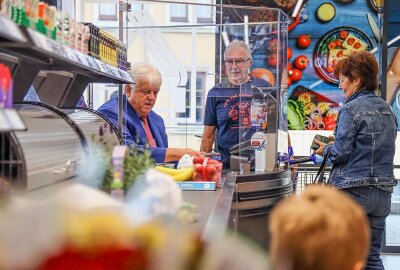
{"type": "Point", "coordinates": [127, 76]}
{"type": "Point", "coordinates": [107, 69]}
{"type": "Point", "coordinates": [54, 47]}
{"type": "Point", "coordinates": [82, 58]}
{"type": "Point", "coordinates": [92, 63]}
{"type": "Point", "coordinates": [39, 40]}
{"type": "Point", "coordinates": [78, 58]}
{"type": "Point", "coordinates": [114, 71]}
{"type": "Point", "coordinates": [70, 54]}
{"type": "Point", "coordinates": [63, 52]}
{"type": "Point", "coordinates": [100, 65]}
{"type": "Point", "coordinates": [121, 74]}
{"type": "Point", "coordinates": [10, 29]}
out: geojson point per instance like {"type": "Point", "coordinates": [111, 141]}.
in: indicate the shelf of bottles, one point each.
{"type": "Point", "coordinates": [37, 30]}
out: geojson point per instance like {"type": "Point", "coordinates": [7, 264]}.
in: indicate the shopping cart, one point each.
{"type": "Point", "coordinates": [304, 174]}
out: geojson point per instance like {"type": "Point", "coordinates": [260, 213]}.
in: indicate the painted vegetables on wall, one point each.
{"type": "Point", "coordinates": [322, 33]}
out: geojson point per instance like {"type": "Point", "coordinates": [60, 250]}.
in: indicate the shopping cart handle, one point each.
{"type": "Point", "coordinates": [290, 151]}
{"type": "Point", "coordinates": [303, 160]}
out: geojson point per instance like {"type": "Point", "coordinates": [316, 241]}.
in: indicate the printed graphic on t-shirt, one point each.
{"type": "Point", "coordinates": [239, 108]}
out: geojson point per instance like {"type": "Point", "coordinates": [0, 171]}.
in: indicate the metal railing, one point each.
{"type": "Point", "coordinates": [304, 174]}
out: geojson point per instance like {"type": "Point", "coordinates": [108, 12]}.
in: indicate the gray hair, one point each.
{"type": "Point", "coordinates": [146, 73]}
{"type": "Point", "coordinates": [236, 44]}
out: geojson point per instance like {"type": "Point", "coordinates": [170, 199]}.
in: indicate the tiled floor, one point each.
{"type": "Point", "coordinates": [391, 261]}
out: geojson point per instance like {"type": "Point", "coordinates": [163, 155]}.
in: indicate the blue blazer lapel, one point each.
{"type": "Point", "coordinates": [155, 131]}
{"type": "Point", "coordinates": [137, 124]}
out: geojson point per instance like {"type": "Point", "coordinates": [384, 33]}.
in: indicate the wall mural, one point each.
{"type": "Point", "coordinates": [393, 74]}
{"type": "Point", "coordinates": [322, 33]}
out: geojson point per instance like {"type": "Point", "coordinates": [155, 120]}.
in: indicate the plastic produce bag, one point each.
{"type": "Point", "coordinates": [185, 162]}
{"type": "Point", "coordinates": [154, 194]}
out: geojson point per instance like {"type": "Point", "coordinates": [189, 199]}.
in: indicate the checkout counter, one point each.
{"type": "Point", "coordinates": [240, 205]}
{"type": "Point", "coordinates": [259, 176]}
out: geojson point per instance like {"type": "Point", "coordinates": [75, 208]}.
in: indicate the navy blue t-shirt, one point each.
{"type": "Point", "coordinates": [223, 107]}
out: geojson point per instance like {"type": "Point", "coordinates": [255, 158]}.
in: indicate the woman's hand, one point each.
{"type": "Point", "coordinates": [320, 150]}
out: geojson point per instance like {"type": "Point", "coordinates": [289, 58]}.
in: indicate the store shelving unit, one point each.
{"type": "Point", "coordinates": [58, 136]}
{"type": "Point", "coordinates": [63, 73]}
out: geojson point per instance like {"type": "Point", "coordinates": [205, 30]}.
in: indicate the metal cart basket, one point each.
{"type": "Point", "coordinates": [304, 174]}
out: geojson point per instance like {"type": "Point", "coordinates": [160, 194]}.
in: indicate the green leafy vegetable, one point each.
{"type": "Point", "coordinates": [296, 116]}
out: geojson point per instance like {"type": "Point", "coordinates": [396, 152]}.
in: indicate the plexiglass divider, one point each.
{"type": "Point", "coordinates": [263, 131]}
{"type": "Point", "coordinates": [186, 42]}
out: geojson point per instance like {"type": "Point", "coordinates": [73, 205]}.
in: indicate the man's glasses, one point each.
{"type": "Point", "coordinates": [237, 62]}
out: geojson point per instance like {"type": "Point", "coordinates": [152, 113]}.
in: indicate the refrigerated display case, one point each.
{"type": "Point", "coordinates": [58, 136]}
{"type": "Point", "coordinates": [53, 146]}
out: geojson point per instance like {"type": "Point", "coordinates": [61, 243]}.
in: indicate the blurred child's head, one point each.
{"type": "Point", "coordinates": [321, 229]}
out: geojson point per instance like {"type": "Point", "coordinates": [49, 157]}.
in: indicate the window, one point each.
{"type": "Point", "coordinates": [179, 13]}
{"type": "Point", "coordinates": [200, 92]}
{"type": "Point", "coordinates": [183, 13]}
{"type": "Point", "coordinates": [204, 13]}
{"type": "Point", "coordinates": [108, 12]}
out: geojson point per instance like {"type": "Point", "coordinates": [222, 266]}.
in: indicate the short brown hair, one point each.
{"type": "Point", "coordinates": [320, 229]}
{"type": "Point", "coordinates": [360, 65]}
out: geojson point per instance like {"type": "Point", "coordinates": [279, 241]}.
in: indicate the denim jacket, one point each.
{"type": "Point", "coordinates": [364, 146]}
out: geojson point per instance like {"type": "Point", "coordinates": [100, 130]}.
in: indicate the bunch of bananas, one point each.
{"type": "Point", "coordinates": [177, 174]}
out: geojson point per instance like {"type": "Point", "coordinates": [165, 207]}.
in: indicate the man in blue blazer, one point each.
{"type": "Point", "coordinates": [141, 125]}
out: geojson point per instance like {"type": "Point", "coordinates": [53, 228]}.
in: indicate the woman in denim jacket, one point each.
{"type": "Point", "coordinates": [363, 150]}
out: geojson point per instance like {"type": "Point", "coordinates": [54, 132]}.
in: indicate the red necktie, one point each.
{"type": "Point", "coordinates": [148, 132]}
